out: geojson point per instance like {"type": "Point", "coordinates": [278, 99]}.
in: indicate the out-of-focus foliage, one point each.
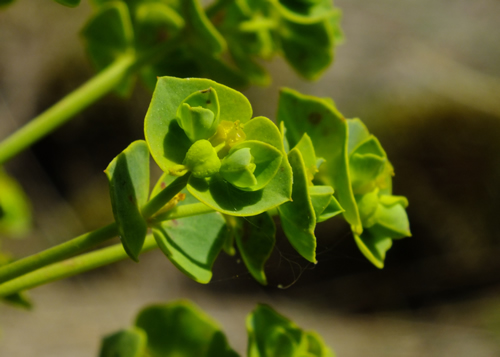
{"type": "Point", "coordinates": [180, 329]}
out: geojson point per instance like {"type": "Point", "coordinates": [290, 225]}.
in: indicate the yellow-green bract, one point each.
{"type": "Point", "coordinates": [224, 192]}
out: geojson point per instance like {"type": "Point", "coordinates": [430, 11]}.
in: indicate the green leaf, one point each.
{"type": "Point", "coordinates": [128, 176]}
{"type": "Point", "coordinates": [15, 209]}
{"type": "Point", "coordinates": [251, 165]}
{"type": "Point", "coordinates": [316, 345]}
{"type": "Point", "coordinates": [155, 24]}
{"type": "Point", "coordinates": [364, 170]}
{"type": "Point", "coordinates": [255, 238]}
{"type": "Point", "coordinates": [125, 343]}
{"type": "Point", "coordinates": [308, 48]}
{"type": "Point", "coordinates": [69, 3]}
{"type": "Point", "coordinates": [298, 218]}
{"type": "Point", "coordinates": [109, 35]}
{"type": "Point", "coordinates": [306, 148]}
{"type": "Point", "coordinates": [255, 72]}
{"type": "Point", "coordinates": [373, 246]}
{"type": "Point", "coordinates": [214, 67]}
{"type": "Point", "coordinates": [304, 11]}
{"type": "Point", "coordinates": [247, 27]}
{"type": "Point", "coordinates": [321, 196]}
{"type": "Point", "coordinates": [192, 243]}
{"type": "Point", "coordinates": [198, 114]}
{"type": "Point", "coordinates": [367, 205]}
{"type": "Point", "coordinates": [202, 33]}
{"type": "Point", "coordinates": [222, 196]}
{"type": "Point", "coordinates": [391, 220]}
{"type": "Point", "coordinates": [330, 211]}
{"type": "Point", "coordinates": [328, 130]}
{"type": "Point", "coordinates": [271, 334]}
{"type": "Point", "coordinates": [167, 142]}
{"type": "Point", "coordinates": [5, 2]}
{"type": "Point", "coordinates": [181, 329]}
{"type": "Point", "coordinates": [358, 133]}
{"type": "Point", "coordinates": [202, 160]}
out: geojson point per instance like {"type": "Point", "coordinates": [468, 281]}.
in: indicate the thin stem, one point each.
{"type": "Point", "coordinates": [165, 195]}
{"type": "Point", "coordinates": [57, 253]}
{"type": "Point", "coordinates": [85, 262]}
{"type": "Point", "coordinates": [91, 239]}
{"type": "Point", "coordinates": [194, 209]}
{"type": "Point", "coordinates": [65, 109]}
{"type": "Point", "coordinates": [71, 267]}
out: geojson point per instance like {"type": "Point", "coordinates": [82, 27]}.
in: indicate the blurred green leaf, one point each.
{"type": "Point", "coordinates": [271, 334]}
{"type": "Point", "coordinates": [373, 246]}
{"type": "Point", "coordinates": [182, 330]}
{"type": "Point", "coordinates": [305, 11]}
{"type": "Point", "coordinates": [306, 148]}
{"type": "Point", "coordinates": [5, 2]}
{"type": "Point", "coordinates": [155, 24]}
{"type": "Point", "coordinates": [358, 133]}
{"type": "Point", "coordinates": [391, 220]}
{"type": "Point", "coordinates": [309, 48]}
{"type": "Point", "coordinates": [202, 33]}
{"type": "Point", "coordinates": [320, 198]}
{"type": "Point", "coordinates": [255, 238]}
{"type": "Point", "coordinates": [15, 209]}
{"type": "Point", "coordinates": [128, 176]}
{"type": "Point", "coordinates": [125, 343]}
{"type": "Point", "coordinates": [298, 218]}
{"type": "Point", "coordinates": [109, 35]}
{"type": "Point", "coordinates": [328, 131]}
{"type": "Point", "coordinates": [330, 211]}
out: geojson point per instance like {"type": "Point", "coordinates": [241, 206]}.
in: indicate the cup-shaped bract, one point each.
{"type": "Point", "coordinates": [198, 115]}
{"type": "Point", "coordinates": [251, 165]}
{"type": "Point", "coordinates": [202, 160]}
{"type": "Point", "coordinates": [168, 143]}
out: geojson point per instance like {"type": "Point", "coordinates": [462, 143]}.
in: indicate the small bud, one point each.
{"type": "Point", "coordinates": [251, 165]}
{"type": "Point", "coordinates": [198, 114]}
{"type": "Point", "coordinates": [238, 168]}
{"type": "Point", "coordinates": [202, 160]}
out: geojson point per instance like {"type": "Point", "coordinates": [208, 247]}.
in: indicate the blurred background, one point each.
{"type": "Point", "coordinates": [425, 78]}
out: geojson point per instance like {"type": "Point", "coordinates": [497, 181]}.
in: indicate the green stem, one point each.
{"type": "Point", "coordinates": [85, 262]}
{"type": "Point", "coordinates": [91, 239]}
{"type": "Point", "coordinates": [71, 267]}
{"type": "Point", "coordinates": [57, 253]}
{"type": "Point", "coordinates": [194, 209]}
{"type": "Point", "coordinates": [165, 195]}
{"type": "Point", "coordinates": [65, 109]}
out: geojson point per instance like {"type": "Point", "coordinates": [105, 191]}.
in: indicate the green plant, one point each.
{"type": "Point", "coordinates": [127, 39]}
{"type": "Point", "coordinates": [228, 177]}
{"type": "Point", "coordinates": [182, 329]}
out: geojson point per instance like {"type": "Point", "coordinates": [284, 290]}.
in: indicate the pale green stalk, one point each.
{"type": "Point", "coordinates": [96, 259]}
{"type": "Point", "coordinates": [91, 239]}
{"type": "Point", "coordinates": [71, 267]}
{"type": "Point", "coordinates": [65, 109]}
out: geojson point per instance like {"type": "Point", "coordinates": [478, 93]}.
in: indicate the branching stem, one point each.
{"type": "Point", "coordinates": [91, 239]}
{"type": "Point", "coordinates": [71, 267]}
